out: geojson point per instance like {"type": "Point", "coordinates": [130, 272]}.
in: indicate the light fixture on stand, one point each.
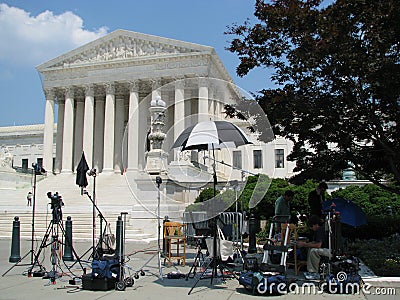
{"type": "Point", "coordinates": [36, 170]}
{"type": "Point", "coordinates": [159, 182]}
{"type": "Point", "coordinates": [81, 180]}
{"type": "Point", "coordinates": [211, 135]}
{"type": "Point", "coordinates": [242, 172]}
{"type": "Point", "coordinates": [93, 173]}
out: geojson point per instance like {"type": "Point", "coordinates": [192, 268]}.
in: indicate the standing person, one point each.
{"type": "Point", "coordinates": [315, 199]}
{"type": "Point", "coordinates": [282, 206]}
{"type": "Point", "coordinates": [29, 199]}
{"type": "Point", "coordinates": [282, 212]}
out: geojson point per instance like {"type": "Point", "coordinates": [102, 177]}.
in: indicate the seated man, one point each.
{"type": "Point", "coordinates": [317, 247]}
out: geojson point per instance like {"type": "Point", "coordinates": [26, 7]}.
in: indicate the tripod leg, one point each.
{"type": "Point", "coordinates": [42, 245]}
{"type": "Point", "coordinates": [70, 243]}
{"type": "Point", "coordinates": [194, 265]}
{"type": "Point", "coordinates": [202, 274]}
{"type": "Point", "coordinates": [86, 252]}
{"type": "Point", "coordinates": [60, 225]}
{"type": "Point", "coordinates": [17, 263]}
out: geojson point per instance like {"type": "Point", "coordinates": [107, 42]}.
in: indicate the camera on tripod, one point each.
{"type": "Point", "coordinates": [56, 204]}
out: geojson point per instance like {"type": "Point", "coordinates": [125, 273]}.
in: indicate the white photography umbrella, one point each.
{"type": "Point", "coordinates": [211, 135]}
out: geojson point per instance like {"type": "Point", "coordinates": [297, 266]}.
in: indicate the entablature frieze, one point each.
{"type": "Point", "coordinates": [126, 71]}
{"type": "Point", "coordinates": [143, 86]}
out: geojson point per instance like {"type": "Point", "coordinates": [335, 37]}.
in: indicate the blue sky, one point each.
{"type": "Point", "coordinates": [35, 31]}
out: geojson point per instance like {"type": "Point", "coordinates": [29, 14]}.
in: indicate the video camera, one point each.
{"type": "Point", "coordinates": [56, 203]}
{"type": "Point", "coordinates": [56, 200]}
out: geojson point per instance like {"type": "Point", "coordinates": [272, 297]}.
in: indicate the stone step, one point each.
{"type": "Point", "coordinates": [137, 196]}
{"type": "Point", "coordinates": [82, 225]}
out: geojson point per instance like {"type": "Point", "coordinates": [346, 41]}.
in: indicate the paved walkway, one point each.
{"type": "Point", "coordinates": [16, 285]}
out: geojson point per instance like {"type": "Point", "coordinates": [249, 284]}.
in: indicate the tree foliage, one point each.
{"type": "Point", "coordinates": [206, 194]}
{"type": "Point", "coordinates": [337, 75]}
{"type": "Point", "coordinates": [372, 199]}
{"type": "Point", "coordinates": [266, 207]}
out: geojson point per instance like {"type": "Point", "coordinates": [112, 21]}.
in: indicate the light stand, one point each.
{"type": "Point", "coordinates": [93, 173]}
{"type": "Point", "coordinates": [329, 239]}
{"type": "Point", "coordinates": [239, 224]}
{"type": "Point", "coordinates": [36, 169]}
{"type": "Point", "coordinates": [243, 172]}
{"type": "Point", "coordinates": [216, 259]}
{"type": "Point", "coordinates": [95, 252]}
{"type": "Point", "coordinates": [159, 181]}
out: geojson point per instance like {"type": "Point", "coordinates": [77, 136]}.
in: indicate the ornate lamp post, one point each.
{"type": "Point", "coordinates": [156, 158]}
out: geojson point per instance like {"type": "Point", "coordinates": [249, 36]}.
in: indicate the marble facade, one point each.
{"type": "Point", "coordinates": [104, 87]}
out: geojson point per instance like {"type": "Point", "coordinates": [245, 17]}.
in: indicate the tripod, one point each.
{"type": "Point", "coordinates": [216, 260]}
{"type": "Point", "coordinates": [199, 257]}
{"type": "Point", "coordinates": [36, 170]}
{"type": "Point", "coordinates": [53, 230]}
{"type": "Point", "coordinates": [200, 234]}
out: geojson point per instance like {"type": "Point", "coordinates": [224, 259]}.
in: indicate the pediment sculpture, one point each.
{"type": "Point", "coordinates": [123, 48]}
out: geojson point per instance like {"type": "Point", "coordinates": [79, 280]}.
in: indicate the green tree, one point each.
{"type": "Point", "coordinates": [265, 209]}
{"type": "Point", "coordinates": [372, 199]}
{"type": "Point", "coordinates": [337, 75]}
{"type": "Point", "coordinates": [206, 194]}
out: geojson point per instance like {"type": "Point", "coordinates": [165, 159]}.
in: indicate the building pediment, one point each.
{"type": "Point", "coordinates": [123, 45]}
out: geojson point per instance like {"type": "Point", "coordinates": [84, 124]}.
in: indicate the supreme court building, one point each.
{"type": "Point", "coordinates": [115, 98]}
{"type": "Point", "coordinates": [103, 92]}
{"type": "Point", "coordinates": [123, 100]}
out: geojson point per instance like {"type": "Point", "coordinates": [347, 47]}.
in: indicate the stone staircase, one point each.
{"type": "Point", "coordinates": [82, 225]}
{"type": "Point", "coordinates": [134, 194]}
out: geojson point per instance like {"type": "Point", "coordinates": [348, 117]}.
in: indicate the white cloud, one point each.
{"type": "Point", "coordinates": [27, 39]}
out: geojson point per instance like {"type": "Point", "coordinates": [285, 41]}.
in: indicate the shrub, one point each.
{"type": "Point", "coordinates": [205, 195]}
{"type": "Point", "coordinates": [375, 254]}
{"type": "Point", "coordinates": [377, 227]}
{"type": "Point", "coordinates": [372, 199]}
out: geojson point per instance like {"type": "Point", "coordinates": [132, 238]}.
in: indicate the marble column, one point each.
{"type": "Point", "coordinates": [98, 134]}
{"type": "Point", "coordinates": [156, 91]}
{"type": "Point", "coordinates": [109, 120]}
{"type": "Point", "coordinates": [189, 118]}
{"type": "Point", "coordinates": [211, 102]}
{"type": "Point", "coordinates": [218, 103]}
{"type": "Point", "coordinates": [48, 132]}
{"type": "Point", "coordinates": [203, 100]}
{"type": "Point", "coordinates": [179, 111]}
{"type": "Point", "coordinates": [133, 127]}
{"type": "Point", "coordinates": [59, 138]}
{"type": "Point", "coordinates": [119, 133]}
{"type": "Point", "coordinates": [78, 140]}
{"type": "Point", "coordinates": [68, 133]}
{"type": "Point", "coordinates": [88, 125]}
{"type": "Point", "coordinates": [203, 114]}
